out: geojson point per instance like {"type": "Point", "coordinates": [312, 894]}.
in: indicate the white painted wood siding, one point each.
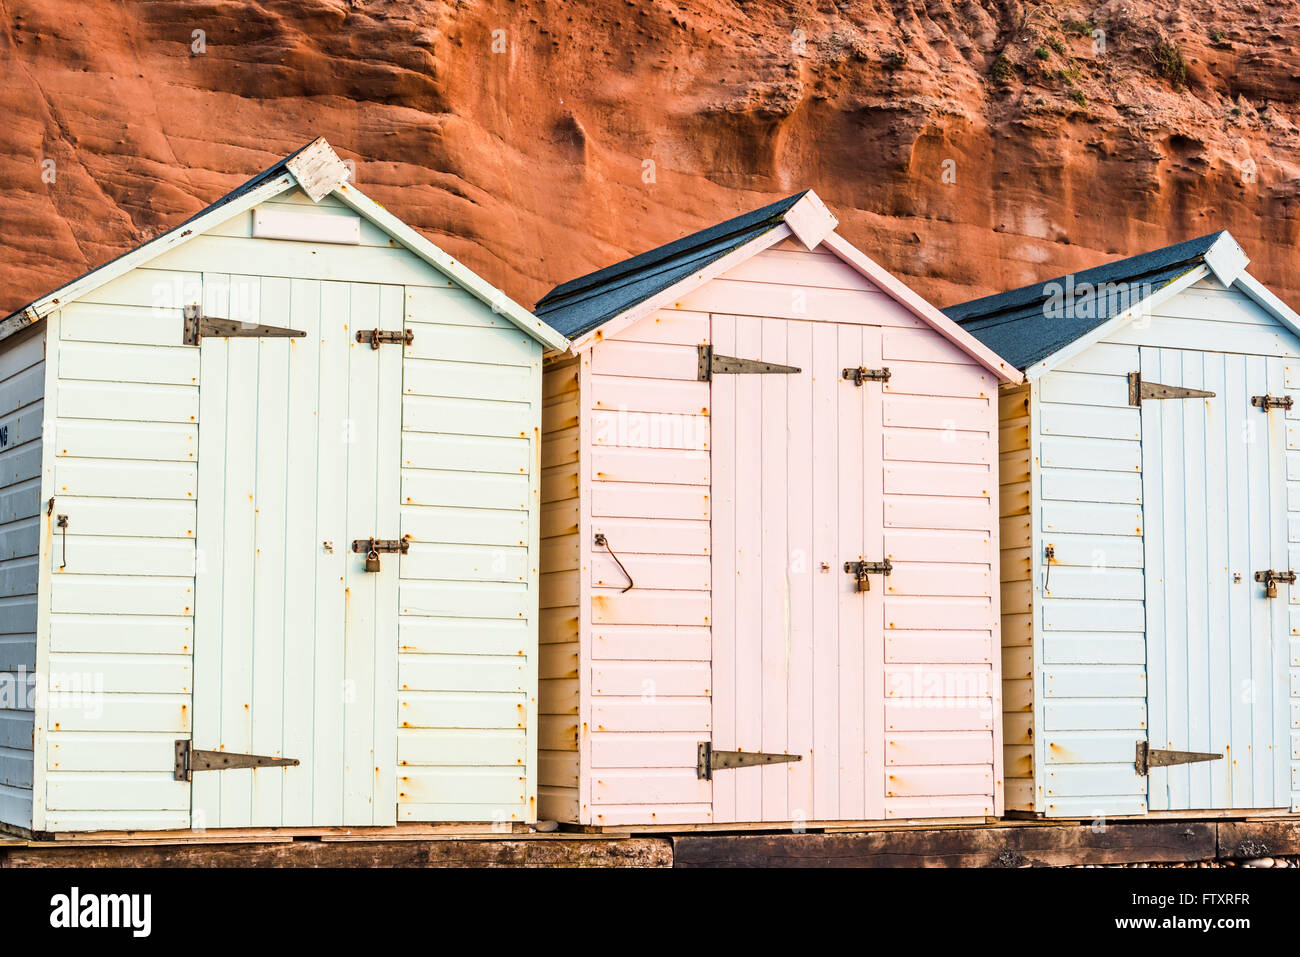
{"type": "Point", "coordinates": [22, 409]}
{"type": "Point", "coordinates": [467, 668]}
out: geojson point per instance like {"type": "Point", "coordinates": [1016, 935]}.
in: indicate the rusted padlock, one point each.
{"type": "Point", "coordinates": [372, 561]}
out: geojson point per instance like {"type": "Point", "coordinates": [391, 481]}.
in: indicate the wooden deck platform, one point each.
{"type": "Point", "coordinates": [1003, 844]}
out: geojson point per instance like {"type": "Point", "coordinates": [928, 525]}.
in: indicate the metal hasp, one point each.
{"type": "Point", "coordinates": [1149, 757]}
{"type": "Point", "coordinates": [377, 337]}
{"type": "Point", "coordinates": [710, 760]}
{"type": "Point", "coordinates": [373, 546]}
{"type": "Point", "coordinates": [1139, 390]}
{"type": "Point", "coordinates": [198, 325]}
{"type": "Point", "coordinates": [1267, 402]}
{"type": "Point", "coordinates": [189, 759]}
{"type": "Point", "coordinates": [862, 374]}
{"type": "Point", "coordinates": [712, 364]}
{"type": "Point", "coordinates": [1269, 579]}
{"type": "Point", "coordinates": [860, 571]}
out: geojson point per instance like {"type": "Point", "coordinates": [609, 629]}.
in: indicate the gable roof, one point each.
{"type": "Point", "coordinates": [580, 305]}
{"type": "Point", "coordinates": [603, 302]}
{"type": "Point", "coordinates": [318, 171]}
{"type": "Point", "coordinates": [1035, 322]}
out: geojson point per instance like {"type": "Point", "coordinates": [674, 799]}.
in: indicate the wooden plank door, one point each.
{"type": "Point", "coordinates": [798, 652]}
{"type": "Point", "coordinates": [1213, 488]}
{"type": "Point", "coordinates": [295, 646]}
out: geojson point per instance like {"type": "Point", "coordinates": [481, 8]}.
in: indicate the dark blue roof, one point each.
{"type": "Point", "coordinates": [268, 174]}
{"type": "Point", "coordinates": [1028, 324]}
{"type": "Point", "coordinates": [576, 307]}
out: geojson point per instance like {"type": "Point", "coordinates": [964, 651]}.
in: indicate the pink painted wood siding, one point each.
{"type": "Point", "coordinates": [902, 689]}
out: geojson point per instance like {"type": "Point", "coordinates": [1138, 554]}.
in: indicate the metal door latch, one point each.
{"type": "Point", "coordinates": [862, 374]}
{"type": "Point", "coordinates": [1149, 757]}
{"type": "Point", "coordinates": [189, 759]}
{"type": "Point", "coordinates": [860, 570]}
{"type": "Point", "coordinates": [1267, 402]}
{"type": "Point", "coordinates": [709, 760]}
{"type": "Point", "coordinates": [1270, 578]}
{"type": "Point", "coordinates": [377, 337]}
{"type": "Point", "coordinates": [371, 547]}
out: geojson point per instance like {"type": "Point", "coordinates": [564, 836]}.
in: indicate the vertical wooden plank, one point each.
{"type": "Point", "coordinates": [1241, 601]}
{"type": "Point", "coordinates": [210, 546]}
{"type": "Point", "coordinates": [1260, 496]}
{"type": "Point", "coordinates": [271, 429]}
{"type": "Point", "coordinates": [824, 428]}
{"type": "Point", "coordinates": [388, 457]}
{"type": "Point", "coordinates": [1196, 479]}
{"type": "Point", "coordinates": [802, 569]}
{"type": "Point", "coordinates": [852, 610]}
{"type": "Point", "coordinates": [1220, 433]}
{"type": "Point", "coordinates": [775, 597]}
{"type": "Point", "coordinates": [1276, 750]}
{"type": "Point", "coordinates": [722, 495]}
{"type": "Point", "coordinates": [873, 606]}
{"type": "Point", "coordinates": [362, 593]}
{"type": "Point", "coordinates": [749, 572]}
{"type": "Point", "coordinates": [331, 525]}
{"type": "Point", "coordinates": [304, 547]}
{"type": "Point", "coordinates": [238, 597]}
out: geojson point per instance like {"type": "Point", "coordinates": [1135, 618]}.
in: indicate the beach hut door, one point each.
{"type": "Point", "coordinates": [797, 681]}
{"type": "Point", "coordinates": [295, 641]}
{"type": "Point", "coordinates": [1214, 518]}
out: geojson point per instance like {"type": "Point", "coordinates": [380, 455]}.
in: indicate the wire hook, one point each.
{"type": "Point", "coordinates": [602, 540]}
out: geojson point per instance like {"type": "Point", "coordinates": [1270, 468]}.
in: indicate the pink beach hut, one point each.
{"type": "Point", "coordinates": [769, 540]}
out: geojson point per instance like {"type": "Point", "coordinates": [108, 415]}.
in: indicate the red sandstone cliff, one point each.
{"type": "Point", "coordinates": [530, 164]}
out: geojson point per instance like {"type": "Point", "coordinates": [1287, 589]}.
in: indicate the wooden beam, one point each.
{"type": "Point", "coordinates": [1239, 840]}
{"type": "Point", "coordinates": [998, 846]}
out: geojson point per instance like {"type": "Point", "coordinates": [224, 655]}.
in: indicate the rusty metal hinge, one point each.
{"type": "Point", "coordinates": [1149, 757]}
{"type": "Point", "coordinates": [862, 374]}
{"type": "Point", "coordinates": [1139, 389]}
{"type": "Point", "coordinates": [708, 760]}
{"type": "Point", "coordinates": [1269, 579]}
{"type": "Point", "coordinates": [198, 325]}
{"type": "Point", "coordinates": [377, 337]}
{"type": "Point", "coordinates": [1267, 402]}
{"type": "Point", "coordinates": [712, 364]}
{"type": "Point", "coordinates": [860, 570]}
{"type": "Point", "coordinates": [189, 759]}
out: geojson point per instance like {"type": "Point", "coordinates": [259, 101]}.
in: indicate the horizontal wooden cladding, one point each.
{"type": "Point", "coordinates": [1097, 582]}
{"type": "Point", "coordinates": [460, 747]}
{"type": "Point", "coordinates": [466, 453]}
{"type": "Point", "coordinates": [656, 749]}
{"type": "Point", "coordinates": [1092, 518]}
{"type": "Point", "coordinates": [459, 416]}
{"type": "Point", "coordinates": [649, 501]}
{"type": "Point", "coordinates": [937, 412]}
{"type": "Point", "coordinates": [144, 634]}
{"type": "Point", "coordinates": [123, 791]}
{"type": "Point", "coordinates": [465, 489]}
{"type": "Point", "coordinates": [650, 679]}
{"type": "Point", "coordinates": [937, 445]}
{"type": "Point", "coordinates": [161, 713]}
{"type": "Point", "coordinates": [664, 714]}
{"type": "Point", "coordinates": [1083, 485]}
{"type": "Point", "coordinates": [111, 555]}
{"type": "Point", "coordinates": [613, 393]}
{"type": "Point", "coordinates": [1091, 422]}
{"type": "Point", "coordinates": [123, 595]}
{"type": "Point", "coordinates": [938, 545]}
{"type": "Point", "coordinates": [672, 326]}
{"type": "Point", "coordinates": [1098, 552]}
{"type": "Point", "coordinates": [930, 511]}
{"type": "Point", "coordinates": [956, 647]}
{"type": "Point", "coordinates": [1062, 648]}
{"type": "Point", "coordinates": [15, 769]}
{"type": "Point", "coordinates": [493, 673]}
{"type": "Point", "coordinates": [790, 267]}
{"type": "Point", "coordinates": [650, 607]}
{"type": "Point", "coordinates": [646, 360]}
{"type": "Point", "coordinates": [928, 379]}
{"type": "Point", "coordinates": [125, 479]}
{"type": "Point", "coordinates": [452, 785]}
{"type": "Point", "coordinates": [943, 748]}
{"type": "Point", "coordinates": [463, 525]}
{"type": "Point", "coordinates": [18, 615]}
{"type": "Point", "coordinates": [920, 578]}
{"type": "Point", "coordinates": [90, 674]}
{"type": "Point", "coordinates": [677, 572]}
{"type": "Point", "coordinates": [504, 345]}
{"type": "Point", "coordinates": [938, 479]}
{"type": "Point", "coordinates": [459, 562]}
{"type": "Point", "coordinates": [658, 643]}
{"type": "Point", "coordinates": [112, 751]}
{"type": "Point", "coordinates": [649, 786]}
{"type": "Point", "coordinates": [780, 301]}
{"type": "Point", "coordinates": [462, 636]}
{"type": "Point", "coordinates": [139, 518]}
{"type": "Point", "coordinates": [1094, 681]}
{"type": "Point", "coordinates": [127, 402]}
{"type": "Point", "coordinates": [17, 651]}
{"type": "Point", "coordinates": [613, 464]}
{"type": "Point", "coordinates": [954, 682]}
{"type": "Point", "coordinates": [649, 430]}
{"type": "Point", "coordinates": [1094, 715]}
{"type": "Point", "coordinates": [455, 709]}
{"type": "Point", "coordinates": [924, 613]}
{"type": "Point", "coordinates": [116, 362]}
{"type": "Point", "coordinates": [156, 441]}
{"type": "Point", "coordinates": [662, 537]}
{"type": "Point", "coordinates": [1090, 747]}
{"type": "Point", "coordinates": [465, 380]}
{"type": "Point", "coordinates": [1097, 455]}
{"type": "Point", "coordinates": [938, 714]}
{"type": "Point", "coordinates": [1104, 615]}
{"type": "Point", "coordinates": [466, 599]}
{"type": "Point", "coordinates": [1087, 780]}
{"type": "Point", "coordinates": [952, 779]}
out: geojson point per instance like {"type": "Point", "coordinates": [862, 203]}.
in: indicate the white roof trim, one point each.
{"type": "Point", "coordinates": [810, 220]}
{"type": "Point", "coordinates": [1271, 304]}
{"type": "Point", "coordinates": [319, 168]}
{"type": "Point", "coordinates": [1141, 307]}
{"type": "Point", "coordinates": [1226, 259]}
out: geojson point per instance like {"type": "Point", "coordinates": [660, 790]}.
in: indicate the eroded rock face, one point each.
{"type": "Point", "coordinates": [967, 146]}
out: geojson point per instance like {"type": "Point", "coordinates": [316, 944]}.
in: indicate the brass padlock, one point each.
{"type": "Point", "coordinates": [372, 561]}
{"type": "Point", "coordinates": [863, 582]}
{"type": "Point", "coordinates": [1271, 588]}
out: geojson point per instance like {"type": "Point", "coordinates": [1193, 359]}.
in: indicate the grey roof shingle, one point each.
{"type": "Point", "coordinates": [1028, 324]}
{"type": "Point", "coordinates": [580, 305]}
